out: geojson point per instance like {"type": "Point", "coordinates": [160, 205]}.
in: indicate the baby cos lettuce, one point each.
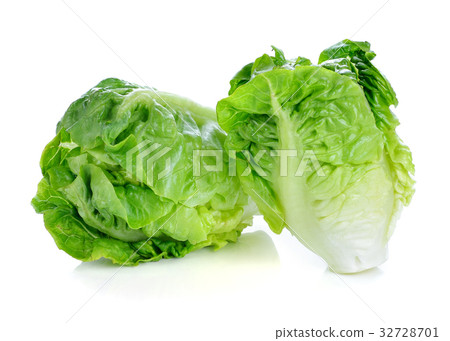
{"type": "Point", "coordinates": [118, 178]}
{"type": "Point", "coordinates": [325, 159]}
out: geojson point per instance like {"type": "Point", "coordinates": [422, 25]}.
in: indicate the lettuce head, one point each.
{"type": "Point", "coordinates": [315, 147]}
{"type": "Point", "coordinates": [121, 181]}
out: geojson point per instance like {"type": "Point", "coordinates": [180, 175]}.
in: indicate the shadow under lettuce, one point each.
{"type": "Point", "coordinates": [250, 262]}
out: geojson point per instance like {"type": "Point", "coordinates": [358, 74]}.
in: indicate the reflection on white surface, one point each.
{"type": "Point", "coordinates": [367, 276]}
{"type": "Point", "coordinates": [251, 261]}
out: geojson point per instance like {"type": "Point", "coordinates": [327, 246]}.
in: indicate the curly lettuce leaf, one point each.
{"type": "Point", "coordinates": [263, 64]}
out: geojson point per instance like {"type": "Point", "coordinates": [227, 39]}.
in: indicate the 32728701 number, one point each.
{"type": "Point", "coordinates": [408, 332]}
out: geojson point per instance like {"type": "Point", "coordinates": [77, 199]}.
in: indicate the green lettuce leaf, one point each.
{"type": "Point", "coordinates": [381, 97]}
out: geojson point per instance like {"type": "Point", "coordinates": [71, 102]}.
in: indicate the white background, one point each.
{"type": "Point", "coordinates": [52, 52]}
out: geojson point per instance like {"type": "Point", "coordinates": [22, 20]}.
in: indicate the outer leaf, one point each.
{"type": "Point", "coordinates": [380, 96]}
